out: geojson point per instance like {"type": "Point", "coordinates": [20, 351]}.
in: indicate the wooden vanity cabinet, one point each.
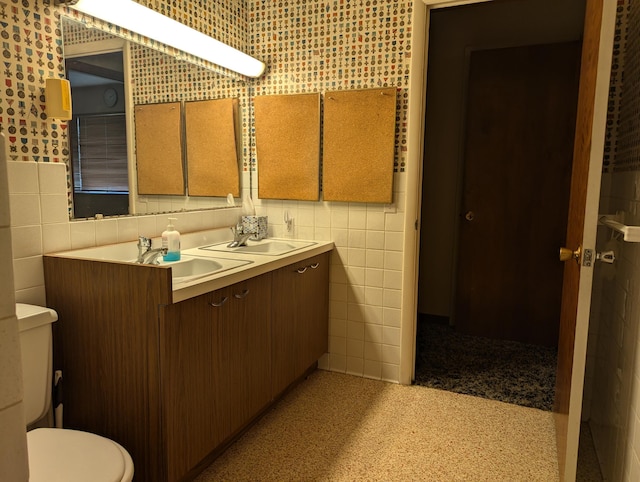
{"type": "Point", "coordinates": [299, 319]}
{"type": "Point", "coordinates": [106, 344]}
{"type": "Point", "coordinates": [215, 361]}
{"type": "Point", "coordinates": [174, 383]}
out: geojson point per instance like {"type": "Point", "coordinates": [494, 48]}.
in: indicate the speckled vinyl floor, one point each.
{"type": "Point", "coordinates": [336, 427]}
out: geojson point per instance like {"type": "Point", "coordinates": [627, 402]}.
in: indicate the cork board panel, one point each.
{"type": "Point", "coordinates": [288, 146]}
{"type": "Point", "coordinates": [159, 149]}
{"type": "Point", "coordinates": [212, 147]}
{"type": "Point", "coordinates": [358, 145]}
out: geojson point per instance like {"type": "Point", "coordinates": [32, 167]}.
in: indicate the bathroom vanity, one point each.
{"type": "Point", "coordinates": [175, 371]}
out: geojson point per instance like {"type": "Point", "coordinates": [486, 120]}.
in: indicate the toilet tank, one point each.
{"type": "Point", "coordinates": [36, 344]}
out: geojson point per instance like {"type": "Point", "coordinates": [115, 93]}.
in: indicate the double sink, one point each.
{"type": "Point", "coordinates": [200, 258]}
{"type": "Point", "coordinates": [208, 260]}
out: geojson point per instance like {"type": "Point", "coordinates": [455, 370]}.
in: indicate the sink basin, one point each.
{"type": "Point", "coordinates": [270, 247]}
{"type": "Point", "coordinates": [191, 268]}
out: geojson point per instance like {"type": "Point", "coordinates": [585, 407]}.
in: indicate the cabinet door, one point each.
{"type": "Point", "coordinates": [192, 366]}
{"type": "Point", "coordinates": [216, 369]}
{"type": "Point", "coordinates": [283, 328]}
{"type": "Point", "coordinates": [300, 317]}
{"type": "Point", "coordinates": [247, 343]}
{"type": "Point", "coordinates": [312, 301]}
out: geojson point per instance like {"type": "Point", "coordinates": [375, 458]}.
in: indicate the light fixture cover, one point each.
{"type": "Point", "coordinates": [144, 21]}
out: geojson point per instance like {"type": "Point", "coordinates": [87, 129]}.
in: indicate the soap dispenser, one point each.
{"type": "Point", "coordinates": [171, 241]}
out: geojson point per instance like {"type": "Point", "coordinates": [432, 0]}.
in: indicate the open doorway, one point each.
{"type": "Point", "coordinates": [503, 80]}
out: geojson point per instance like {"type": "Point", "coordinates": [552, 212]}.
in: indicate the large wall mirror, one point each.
{"type": "Point", "coordinates": [109, 76]}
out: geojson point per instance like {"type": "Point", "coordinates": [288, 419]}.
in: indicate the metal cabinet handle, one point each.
{"type": "Point", "coordinates": [312, 266]}
{"type": "Point", "coordinates": [239, 296]}
{"type": "Point", "coordinates": [222, 302]}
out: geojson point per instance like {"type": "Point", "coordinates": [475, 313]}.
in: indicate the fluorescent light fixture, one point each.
{"type": "Point", "coordinates": [144, 21]}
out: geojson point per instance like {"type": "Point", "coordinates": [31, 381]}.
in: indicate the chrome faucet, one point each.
{"type": "Point", "coordinates": [146, 255]}
{"type": "Point", "coordinates": [239, 238]}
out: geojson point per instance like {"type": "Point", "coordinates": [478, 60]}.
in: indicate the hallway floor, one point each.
{"type": "Point", "coordinates": [506, 371]}
{"type": "Point", "coordinates": [503, 370]}
{"type": "Point", "coordinates": [340, 427]}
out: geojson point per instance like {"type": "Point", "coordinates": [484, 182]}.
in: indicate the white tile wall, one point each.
{"type": "Point", "coordinates": [107, 232]}
{"type": "Point", "coordinates": [25, 209]}
{"type": "Point", "coordinates": [13, 445]}
{"type": "Point", "coordinates": [23, 177]}
{"type": "Point", "coordinates": [57, 237]}
{"type": "Point", "coordinates": [11, 373]}
{"type": "Point", "coordinates": [54, 208]}
{"type": "Point", "coordinates": [52, 177]}
{"type": "Point", "coordinates": [40, 224]}
{"type": "Point", "coordinates": [366, 273]}
{"type": "Point", "coordinates": [7, 303]}
{"type": "Point", "coordinates": [612, 400]}
{"type": "Point", "coordinates": [612, 395]}
{"type": "Point", "coordinates": [13, 449]}
{"type": "Point", "coordinates": [26, 241]}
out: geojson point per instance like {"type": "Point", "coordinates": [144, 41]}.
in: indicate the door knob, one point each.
{"type": "Point", "coordinates": [567, 254]}
{"type": "Point", "coordinates": [470, 215]}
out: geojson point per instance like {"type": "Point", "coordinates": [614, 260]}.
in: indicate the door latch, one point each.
{"type": "Point", "coordinates": [605, 256]}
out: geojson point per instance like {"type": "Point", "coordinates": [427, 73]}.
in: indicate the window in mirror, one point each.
{"type": "Point", "coordinates": [98, 135]}
{"type": "Point", "coordinates": [99, 164]}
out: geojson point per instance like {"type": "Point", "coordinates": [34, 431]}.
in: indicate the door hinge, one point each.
{"type": "Point", "coordinates": [416, 224]}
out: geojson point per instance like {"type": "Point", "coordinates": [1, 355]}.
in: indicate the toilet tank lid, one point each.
{"type": "Point", "coordinates": [32, 316]}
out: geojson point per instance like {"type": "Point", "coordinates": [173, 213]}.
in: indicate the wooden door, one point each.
{"type": "Point", "coordinates": [521, 106]}
{"type": "Point", "coordinates": [581, 228]}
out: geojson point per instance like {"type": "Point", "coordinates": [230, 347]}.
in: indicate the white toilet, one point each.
{"type": "Point", "coordinates": [57, 454]}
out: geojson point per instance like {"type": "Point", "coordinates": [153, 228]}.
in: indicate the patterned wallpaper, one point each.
{"type": "Point", "coordinates": [32, 51]}
{"type": "Point", "coordinates": [307, 46]}
{"type": "Point", "coordinates": [331, 45]}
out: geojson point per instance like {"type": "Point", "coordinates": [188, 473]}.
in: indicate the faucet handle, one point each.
{"type": "Point", "coordinates": [144, 242]}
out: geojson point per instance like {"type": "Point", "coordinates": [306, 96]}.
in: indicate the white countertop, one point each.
{"type": "Point", "coordinates": [259, 264]}
{"type": "Point", "coordinates": [192, 244]}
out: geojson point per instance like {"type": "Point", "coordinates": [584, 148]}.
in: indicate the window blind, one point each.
{"type": "Point", "coordinates": [99, 153]}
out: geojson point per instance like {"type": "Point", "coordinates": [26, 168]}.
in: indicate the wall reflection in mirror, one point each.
{"type": "Point", "coordinates": [109, 76]}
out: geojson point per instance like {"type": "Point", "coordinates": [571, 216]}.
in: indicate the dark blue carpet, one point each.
{"type": "Point", "coordinates": [508, 371]}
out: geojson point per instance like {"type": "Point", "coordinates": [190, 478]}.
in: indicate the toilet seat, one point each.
{"type": "Point", "coordinates": [63, 455]}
